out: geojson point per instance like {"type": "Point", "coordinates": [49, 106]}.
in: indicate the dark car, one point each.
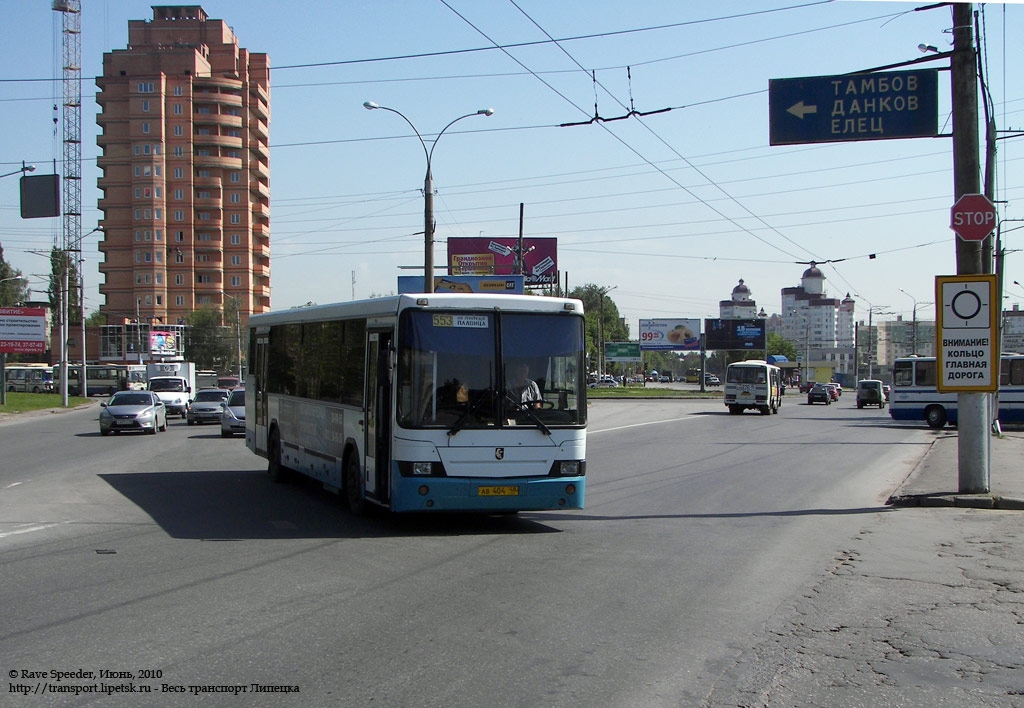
{"type": "Point", "coordinates": [819, 394]}
{"type": "Point", "coordinates": [205, 407]}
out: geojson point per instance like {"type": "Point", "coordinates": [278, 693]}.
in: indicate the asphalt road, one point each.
{"type": "Point", "coordinates": [175, 554]}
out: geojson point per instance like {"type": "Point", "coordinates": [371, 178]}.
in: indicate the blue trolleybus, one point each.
{"type": "Point", "coordinates": [433, 402]}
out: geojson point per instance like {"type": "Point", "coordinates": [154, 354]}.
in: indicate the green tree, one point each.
{"type": "Point", "coordinates": [210, 345]}
{"type": "Point", "coordinates": [60, 261]}
{"type": "Point", "coordinates": [777, 345]}
{"type": "Point", "coordinates": [13, 287]}
{"type": "Point", "coordinates": [597, 304]}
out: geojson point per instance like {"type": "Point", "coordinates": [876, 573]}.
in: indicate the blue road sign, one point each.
{"type": "Point", "coordinates": [849, 107]}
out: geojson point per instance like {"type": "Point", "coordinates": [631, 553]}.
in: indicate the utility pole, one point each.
{"type": "Point", "coordinates": [972, 408]}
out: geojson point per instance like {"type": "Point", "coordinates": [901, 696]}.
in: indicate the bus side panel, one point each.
{"type": "Point", "coordinates": [313, 436]}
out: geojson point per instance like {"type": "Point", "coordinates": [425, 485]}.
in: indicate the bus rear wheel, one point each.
{"type": "Point", "coordinates": [935, 416]}
{"type": "Point", "coordinates": [351, 487]}
{"type": "Point", "coordinates": [277, 471]}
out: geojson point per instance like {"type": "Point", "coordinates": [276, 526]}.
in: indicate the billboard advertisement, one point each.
{"type": "Point", "coordinates": [670, 335]}
{"type": "Point", "coordinates": [627, 352]}
{"type": "Point", "coordinates": [500, 256]}
{"type": "Point", "coordinates": [504, 285]}
{"type": "Point", "coordinates": [22, 330]}
{"type": "Point", "coordinates": [734, 334]}
{"type": "Point", "coordinates": [163, 343]}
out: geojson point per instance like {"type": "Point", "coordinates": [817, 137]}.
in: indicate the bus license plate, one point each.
{"type": "Point", "coordinates": [497, 491]}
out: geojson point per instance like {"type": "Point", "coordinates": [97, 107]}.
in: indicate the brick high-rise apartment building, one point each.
{"type": "Point", "coordinates": [186, 177]}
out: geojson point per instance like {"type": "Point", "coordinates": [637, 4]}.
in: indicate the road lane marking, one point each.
{"type": "Point", "coordinates": [29, 529]}
{"type": "Point", "coordinates": [15, 484]}
{"type": "Point", "coordinates": [637, 425]}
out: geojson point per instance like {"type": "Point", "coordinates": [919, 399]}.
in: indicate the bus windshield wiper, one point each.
{"type": "Point", "coordinates": [461, 422]}
{"type": "Point", "coordinates": [525, 408]}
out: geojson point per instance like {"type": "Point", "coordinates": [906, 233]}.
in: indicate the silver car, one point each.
{"type": "Point", "coordinates": [133, 410]}
{"type": "Point", "coordinates": [206, 406]}
{"type": "Point", "coordinates": [232, 420]}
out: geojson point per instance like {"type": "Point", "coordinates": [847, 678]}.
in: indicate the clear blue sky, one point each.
{"type": "Point", "coordinates": [671, 209]}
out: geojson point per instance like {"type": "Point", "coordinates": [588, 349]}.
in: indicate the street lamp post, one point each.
{"type": "Point", "coordinates": [428, 188]}
{"type": "Point", "coordinates": [238, 331]}
{"type": "Point", "coordinates": [81, 305]}
{"type": "Point", "coordinates": [914, 319]}
{"type": "Point", "coordinates": [600, 354]}
{"type": "Point", "coordinates": [806, 376]}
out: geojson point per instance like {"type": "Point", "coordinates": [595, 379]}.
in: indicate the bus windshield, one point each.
{"type": "Point", "coordinates": [467, 370]}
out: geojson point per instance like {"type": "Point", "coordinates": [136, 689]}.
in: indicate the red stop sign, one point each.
{"type": "Point", "coordinates": [973, 217]}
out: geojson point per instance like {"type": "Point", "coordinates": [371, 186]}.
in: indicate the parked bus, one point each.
{"type": "Point", "coordinates": [443, 401]}
{"type": "Point", "coordinates": [104, 379]}
{"type": "Point", "coordinates": [915, 394]}
{"type": "Point", "coordinates": [753, 384]}
{"type": "Point", "coordinates": [693, 376]}
{"type": "Point", "coordinates": [29, 378]}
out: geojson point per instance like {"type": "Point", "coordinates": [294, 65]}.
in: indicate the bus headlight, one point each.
{"type": "Point", "coordinates": [569, 468]}
{"type": "Point", "coordinates": [421, 469]}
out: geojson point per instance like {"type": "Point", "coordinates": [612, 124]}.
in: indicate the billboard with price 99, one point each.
{"type": "Point", "coordinates": [670, 335]}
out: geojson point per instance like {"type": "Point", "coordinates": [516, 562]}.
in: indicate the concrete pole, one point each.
{"type": "Point", "coordinates": [428, 231]}
{"type": "Point", "coordinates": [972, 408]}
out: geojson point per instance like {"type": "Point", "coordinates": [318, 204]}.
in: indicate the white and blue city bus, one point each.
{"type": "Point", "coordinates": [411, 403]}
{"type": "Point", "coordinates": [915, 394]}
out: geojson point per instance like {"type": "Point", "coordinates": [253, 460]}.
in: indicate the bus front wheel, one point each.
{"type": "Point", "coordinates": [935, 416]}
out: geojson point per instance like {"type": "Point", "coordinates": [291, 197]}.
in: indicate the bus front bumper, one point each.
{"type": "Point", "coordinates": [488, 494]}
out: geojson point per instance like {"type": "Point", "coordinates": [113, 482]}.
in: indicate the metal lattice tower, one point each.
{"type": "Point", "coordinates": [72, 82]}
{"type": "Point", "coordinates": [71, 236]}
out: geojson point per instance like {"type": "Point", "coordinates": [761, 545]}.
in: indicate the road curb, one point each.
{"type": "Point", "coordinates": [963, 501]}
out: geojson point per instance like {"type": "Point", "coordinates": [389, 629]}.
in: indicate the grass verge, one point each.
{"type": "Point", "coordinates": [642, 392]}
{"type": "Point", "coordinates": [25, 402]}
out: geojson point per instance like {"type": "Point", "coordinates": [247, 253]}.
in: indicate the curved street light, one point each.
{"type": "Point", "coordinates": [428, 187]}
{"type": "Point", "coordinates": [24, 168]}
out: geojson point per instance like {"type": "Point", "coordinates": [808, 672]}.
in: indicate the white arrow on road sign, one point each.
{"type": "Point", "coordinates": [800, 110]}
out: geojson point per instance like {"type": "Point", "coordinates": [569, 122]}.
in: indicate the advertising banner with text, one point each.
{"type": "Point", "coordinates": [670, 335]}
{"type": "Point", "coordinates": [734, 334]}
{"type": "Point", "coordinates": [499, 256]}
{"type": "Point", "coordinates": [22, 330]}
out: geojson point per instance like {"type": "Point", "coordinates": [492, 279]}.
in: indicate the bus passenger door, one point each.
{"type": "Point", "coordinates": [257, 398]}
{"type": "Point", "coordinates": [377, 442]}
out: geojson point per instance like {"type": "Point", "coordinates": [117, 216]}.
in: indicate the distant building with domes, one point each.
{"type": "Point", "coordinates": [740, 306]}
{"type": "Point", "coordinates": [820, 327]}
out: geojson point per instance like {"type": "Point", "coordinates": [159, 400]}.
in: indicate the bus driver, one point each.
{"type": "Point", "coordinates": [525, 390]}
